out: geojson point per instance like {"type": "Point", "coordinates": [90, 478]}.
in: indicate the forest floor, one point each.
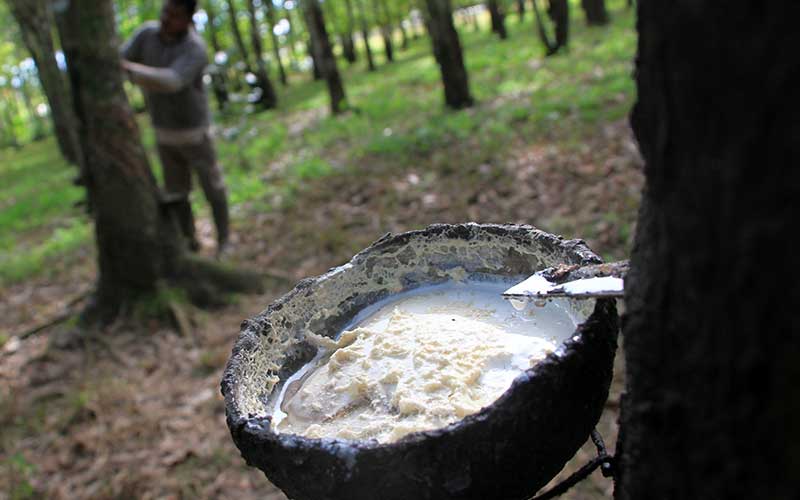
{"type": "Point", "coordinates": [135, 412]}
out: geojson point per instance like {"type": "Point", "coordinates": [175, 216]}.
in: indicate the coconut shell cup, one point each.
{"type": "Point", "coordinates": [507, 450]}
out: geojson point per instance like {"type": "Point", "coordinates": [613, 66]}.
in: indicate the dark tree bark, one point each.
{"type": "Point", "coordinates": [386, 32]}
{"type": "Point", "coordinates": [365, 35]}
{"type": "Point", "coordinates": [316, 70]}
{"type": "Point", "coordinates": [521, 10]}
{"type": "Point", "coordinates": [498, 18]}
{"type": "Point", "coordinates": [139, 247]}
{"type": "Point", "coordinates": [315, 21]}
{"type": "Point", "coordinates": [448, 54]}
{"type": "Point", "coordinates": [269, 98]}
{"type": "Point", "coordinates": [348, 43]}
{"type": "Point", "coordinates": [269, 14]}
{"type": "Point", "coordinates": [596, 13]}
{"type": "Point", "coordinates": [558, 11]}
{"type": "Point", "coordinates": [712, 408]}
{"type": "Point", "coordinates": [218, 80]}
{"type": "Point", "coordinates": [36, 24]}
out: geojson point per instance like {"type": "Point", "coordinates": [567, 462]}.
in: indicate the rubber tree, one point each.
{"type": "Point", "coordinates": [348, 42]}
{"type": "Point", "coordinates": [364, 21]}
{"type": "Point", "coordinates": [269, 15]}
{"type": "Point", "coordinates": [448, 53]}
{"type": "Point", "coordinates": [36, 23]}
{"type": "Point", "coordinates": [321, 45]}
{"type": "Point", "coordinates": [711, 408]}
{"type": "Point", "coordinates": [386, 32]}
{"type": "Point", "coordinates": [596, 13]}
{"type": "Point", "coordinates": [498, 18]}
{"type": "Point", "coordinates": [268, 98]}
{"type": "Point", "coordinates": [139, 247]}
{"type": "Point", "coordinates": [521, 10]}
{"type": "Point", "coordinates": [558, 11]}
{"type": "Point", "coordinates": [218, 77]}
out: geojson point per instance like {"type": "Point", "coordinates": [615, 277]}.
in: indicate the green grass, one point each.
{"type": "Point", "coordinates": [398, 120]}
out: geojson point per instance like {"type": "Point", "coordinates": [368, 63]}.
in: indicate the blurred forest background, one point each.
{"type": "Point", "coordinates": [135, 410]}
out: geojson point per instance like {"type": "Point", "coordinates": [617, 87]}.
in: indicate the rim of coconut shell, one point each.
{"type": "Point", "coordinates": [258, 427]}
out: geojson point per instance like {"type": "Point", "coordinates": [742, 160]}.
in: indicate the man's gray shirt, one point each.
{"type": "Point", "coordinates": [185, 110]}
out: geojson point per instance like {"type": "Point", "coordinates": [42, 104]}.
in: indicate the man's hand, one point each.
{"type": "Point", "coordinates": [153, 79]}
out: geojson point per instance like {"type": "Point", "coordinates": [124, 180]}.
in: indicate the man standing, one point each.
{"type": "Point", "coordinates": [167, 61]}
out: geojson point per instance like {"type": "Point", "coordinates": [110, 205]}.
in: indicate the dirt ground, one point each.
{"type": "Point", "coordinates": [137, 412]}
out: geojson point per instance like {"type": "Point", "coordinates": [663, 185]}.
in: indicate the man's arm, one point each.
{"type": "Point", "coordinates": [182, 72]}
{"type": "Point", "coordinates": [153, 79]}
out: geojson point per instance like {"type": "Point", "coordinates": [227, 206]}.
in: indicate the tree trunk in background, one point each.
{"type": "Point", "coordinates": [712, 407]}
{"type": "Point", "coordinates": [218, 80]}
{"type": "Point", "coordinates": [292, 36]}
{"type": "Point", "coordinates": [559, 12]}
{"type": "Point", "coordinates": [33, 117]}
{"type": "Point", "coordinates": [386, 32]}
{"type": "Point", "coordinates": [365, 35]}
{"type": "Point", "coordinates": [8, 120]}
{"type": "Point", "coordinates": [36, 24]}
{"type": "Point", "coordinates": [348, 43]}
{"type": "Point", "coordinates": [262, 81]}
{"type": "Point", "coordinates": [448, 54]}
{"type": "Point", "coordinates": [321, 45]}
{"type": "Point", "coordinates": [498, 18]}
{"type": "Point", "coordinates": [596, 14]}
{"type": "Point", "coordinates": [269, 99]}
{"type": "Point", "coordinates": [521, 10]}
{"type": "Point", "coordinates": [269, 14]}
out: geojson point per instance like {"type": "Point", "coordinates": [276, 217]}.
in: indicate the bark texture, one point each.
{"type": "Point", "coordinates": [498, 18]}
{"type": "Point", "coordinates": [134, 246]}
{"type": "Point", "coordinates": [448, 53]}
{"type": "Point", "coordinates": [323, 52]}
{"type": "Point", "coordinates": [139, 247]}
{"type": "Point", "coordinates": [36, 23]}
{"type": "Point", "coordinates": [712, 409]}
{"type": "Point", "coordinates": [596, 13]}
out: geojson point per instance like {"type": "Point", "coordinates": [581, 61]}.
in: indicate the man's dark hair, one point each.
{"type": "Point", "coordinates": [189, 5]}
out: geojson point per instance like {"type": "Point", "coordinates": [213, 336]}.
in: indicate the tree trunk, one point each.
{"type": "Point", "coordinates": [321, 45]}
{"type": "Point", "coordinates": [596, 14]}
{"type": "Point", "coordinates": [269, 13]}
{"type": "Point", "coordinates": [348, 43]}
{"type": "Point", "coordinates": [36, 22]}
{"type": "Point", "coordinates": [711, 409]}
{"type": "Point", "coordinates": [262, 81]}
{"type": "Point", "coordinates": [269, 99]}
{"type": "Point", "coordinates": [8, 120]}
{"type": "Point", "coordinates": [558, 11]}
{"type": "Point", "coordinates": [386, 31]}
{"type": "Point", "coordinates": [498, 18]}
{"type": "Point", "coordinates": [218, 80]}
{"type": "Point", "coordinates": [448, 54]}
{"type": "Point", "coordinates": [521, 10]}
{"type": "Point", "coordinates": [134, 246]}
{"type": "Point", "coordinates": [139, 247]}
{"type": "Point", "coordinates": [365, 35]}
